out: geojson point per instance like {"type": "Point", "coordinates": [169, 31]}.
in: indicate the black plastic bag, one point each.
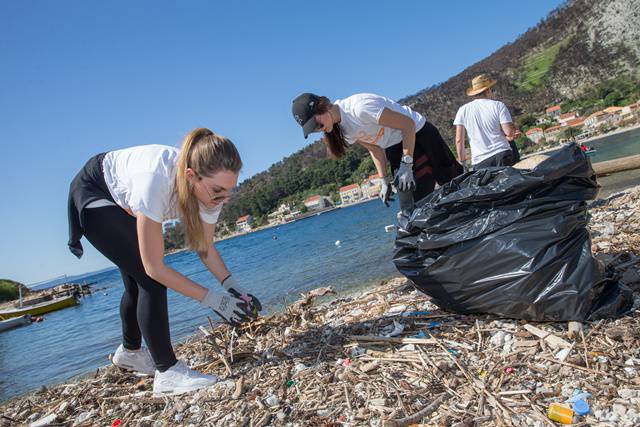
{"type": "Point", "coordinates": [513, 243]}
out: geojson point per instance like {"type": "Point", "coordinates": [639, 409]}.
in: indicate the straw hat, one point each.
{"type": "Point", "coordinates": [480, 83]}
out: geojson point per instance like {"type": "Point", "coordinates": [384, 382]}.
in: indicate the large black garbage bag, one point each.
{"type": "Point", "coordinates": [513, 243]}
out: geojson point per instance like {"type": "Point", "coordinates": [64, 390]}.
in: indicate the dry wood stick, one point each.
{"type": "Point", "coordinates": [584, 344]}
{"type": "Point", "coordinates": [418, 416]}
{"type": "Point", "coordinates": [212, 340]}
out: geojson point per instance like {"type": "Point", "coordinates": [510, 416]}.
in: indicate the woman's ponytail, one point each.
{"type": "Point", "coordinates": [205, 153]}
{"type": "Point", "coordinates": [334, 140]}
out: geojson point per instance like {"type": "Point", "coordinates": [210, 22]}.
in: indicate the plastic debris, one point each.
{"type": "Point", "coordinates": [560, 413]}
{"type": "Point", "coordinates": [581, 407]}
{"type": "Point", "coordinates": [394, 330]}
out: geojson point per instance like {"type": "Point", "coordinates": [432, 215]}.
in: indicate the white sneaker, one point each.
{"type": "Point", "coordinates": [138, 361]}
{"type": "Point", "coordinates": [180, 379]}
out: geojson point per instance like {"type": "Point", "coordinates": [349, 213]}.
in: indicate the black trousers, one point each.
{"type": "Point", "coordinates": [503, 158]}
{"type": "Point", "coordinates": [515, 152]}
{"type": "Point", "coordinates": [433, 160]}
{"type": "Point", "coordinates": [143, 307]}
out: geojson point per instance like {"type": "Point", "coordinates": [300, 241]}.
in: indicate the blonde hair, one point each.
{"type": "Point", "coordinates": [206, 153]}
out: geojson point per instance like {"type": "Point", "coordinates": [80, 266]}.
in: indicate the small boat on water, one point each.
{"type": "Point", "coordinates": [14, 322]}
{"type": "Point", "coordinates": [591, 152]}
{"type": "Point", "coordinates": [39, 308]}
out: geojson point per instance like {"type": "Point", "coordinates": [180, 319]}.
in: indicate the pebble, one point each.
{"type": "Point", "coordinates": [497, 340]}
{"type": "Point", "coordinates": [619, 409]}
{"type": "Point", "coordinates": [299, 367]}
{"type": "Point", "coordinates": [272, 401]}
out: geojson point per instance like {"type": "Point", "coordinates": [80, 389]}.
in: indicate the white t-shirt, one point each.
{"type": "Point", "coordinates": [142, 179]}
{"type": "Point", "coordinates": [360, 113]}
{"type": "Point", "coordinates": [481, 119]}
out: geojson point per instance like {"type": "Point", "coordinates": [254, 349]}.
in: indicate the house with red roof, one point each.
{"type": "Point", "coordinates": [535, 134]}
{"type": "Point", "coordinates": [243, 224]}
{"type": "Point", "coordinates": [317, 202]}
{"type": "Point", "coordinates": [553, 111]}
{"type": "Point", "coordinates": [564, 118]}
{"type": "Point", "coordinates": [576, 123]}
{"type": "Point", "coordinates": [350, 194]}
{"type": "Point", "coordinates": [596, 119]}
{"type": "Point", "coordinates": [553, 133]}
{"type": "Point", "coordinates": [371, 186]}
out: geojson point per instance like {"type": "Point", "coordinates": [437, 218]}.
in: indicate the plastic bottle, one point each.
{"type": "Point", "coordinates": [560, 413]}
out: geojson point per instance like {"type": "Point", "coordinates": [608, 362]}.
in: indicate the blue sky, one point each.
{"type": "Point", "coordinates": [78, 78]}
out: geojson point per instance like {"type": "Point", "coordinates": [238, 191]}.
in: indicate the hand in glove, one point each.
{"type": "Point", "coordinates": [465, 167]}
{"type": "Point", "coordinates": [404, 177]}
{"type": "Point", "coordinates": [386, 191]}
{"type": "Point", "coordinates": [232, 310]}
{"type": "Point", "coordinates": [231, 285]}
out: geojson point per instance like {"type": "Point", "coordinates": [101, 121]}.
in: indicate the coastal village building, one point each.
{"type": "Point", "coordinates": [350, 194]}
{"type": "Point", "coordinates": [553, 133]}
{"type": "Point", "coordinates": [243, 224]}
{"type": "Point", "coordinates": [596, 119]}
{"type": "Point", "coordinates": [553, 111]}
{"type": "Point", "coordinates": [371, 186]}
{"type": "Point", "coordinates": [535, 134]}
{"type": "Point", "coordinates": [630, 111]}
{"type": "Point", "coordinates": [278, 216]}
{"type": "Point", "coordinates": [576, 123]}
{"type": "Point", "coordinates": [615, 113]}
{"type": "Point", "coordinates": [317, 202]}
{"type": "Point", "coordinates": [563, 119]}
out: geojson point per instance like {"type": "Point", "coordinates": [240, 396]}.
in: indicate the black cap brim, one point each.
{"type": "Point", "coordinates": [309, 127]}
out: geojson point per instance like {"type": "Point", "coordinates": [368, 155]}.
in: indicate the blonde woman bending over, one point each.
{"type": "Point", "coordinates": [118, 201]}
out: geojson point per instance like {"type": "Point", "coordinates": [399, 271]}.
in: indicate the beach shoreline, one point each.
{"type": "Point", "coordinates": [288, 365]}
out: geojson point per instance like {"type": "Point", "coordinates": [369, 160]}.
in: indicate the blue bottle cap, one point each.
{"type": "Point", "coordinates": [581, 407]}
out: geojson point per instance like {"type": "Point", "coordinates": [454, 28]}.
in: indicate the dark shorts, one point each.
{"type": "Point", "coordinates": [432, 159]}
{"type": "Point", "coordinates": [503, 158]}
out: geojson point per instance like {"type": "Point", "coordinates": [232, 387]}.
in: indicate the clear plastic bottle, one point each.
{"type": "Point", "coordinates": [560, 413]}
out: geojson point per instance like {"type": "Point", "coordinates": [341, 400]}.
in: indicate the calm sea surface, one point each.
{"type": "Point", "coordinates": [304, 256]}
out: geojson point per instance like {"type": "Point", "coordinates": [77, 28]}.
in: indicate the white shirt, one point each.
{"type": "Point", "coordinates": [142, 179]}
{"type": "Point", "coordinates": [359, 116]}
{"type": "Point", "coordinates": [481, 119]}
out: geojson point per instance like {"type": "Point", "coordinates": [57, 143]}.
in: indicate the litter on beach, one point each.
{"type": "Point", "coordinates": [470, 370]}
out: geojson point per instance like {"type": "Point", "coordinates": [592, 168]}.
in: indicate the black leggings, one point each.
{"type": "Point", "coordinates": [143, 308]}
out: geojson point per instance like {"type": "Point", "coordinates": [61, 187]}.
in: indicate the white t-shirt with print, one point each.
{"type": "Point", "coordinates": [142, 179]}
{"type": "Point", "coordinates": [360, 113]}
{"type": "Point", "coordinates": [481, 119]}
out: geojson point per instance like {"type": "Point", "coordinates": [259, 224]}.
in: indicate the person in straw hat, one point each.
{"type": "Point", "coordinates": [489, 125]}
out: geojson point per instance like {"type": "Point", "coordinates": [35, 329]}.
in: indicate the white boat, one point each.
{"type": "Point", "coordinates": [14, 322]}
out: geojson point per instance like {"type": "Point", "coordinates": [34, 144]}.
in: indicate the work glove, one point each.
{"type": "Point", "coordinates": [404, 177]}
{"type": "Point", "coordinates": [465, 167]}
{"type": "Point", "coordinates": [386, 191]}
{"type": "Point", "coordinates": [232, 310]}
{"type": "Point", "coordinates": [231, 285]}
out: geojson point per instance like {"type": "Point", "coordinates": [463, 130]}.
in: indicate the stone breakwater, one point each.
{"type": "Point", "coordinates": [384, 357]}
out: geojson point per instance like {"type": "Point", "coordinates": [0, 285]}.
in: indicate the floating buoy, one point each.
{"type": "Point", "coordinates": [337, 242]}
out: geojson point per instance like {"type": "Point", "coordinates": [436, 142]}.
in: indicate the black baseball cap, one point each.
{"type": "Point", "coordinates": [302, 110]}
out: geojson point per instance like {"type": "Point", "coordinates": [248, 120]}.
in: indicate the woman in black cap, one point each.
{"type": "Point", "coordinates": [391, 133]}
